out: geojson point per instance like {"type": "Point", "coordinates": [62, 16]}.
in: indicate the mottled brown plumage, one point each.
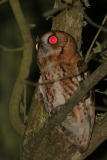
{"type": "Point", "coordinates": [57, 60]}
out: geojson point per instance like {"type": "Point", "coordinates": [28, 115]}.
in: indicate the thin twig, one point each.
{"type": "Point", "coordinates": [50, 13]}
{"type": "Point", "coordinates": [50, 82]}
{"type": "Point", "coordinates": [53, 11]}
{"type": "Point", "coordinates": [98, 32]}
{"type": "Point", "coordinates": [90, 21]}
{"type": "Point", "coordinates": [100, 108]}
{"type": "Point", "coordinates": [33, 84]}
{"type": "Point", "coordinates": [5, 49]}
{"type": "Point", "coordinates": [105, 92]}
{"type": "Point", "coordinates": [105, 79]}
{"type": "Point", "coordinates": [3, 1]}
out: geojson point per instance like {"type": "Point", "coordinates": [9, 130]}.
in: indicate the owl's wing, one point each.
{"type": "Point", "coordinates": [79, 125]}
{"type": "Point", "coordinates": [41, 92]}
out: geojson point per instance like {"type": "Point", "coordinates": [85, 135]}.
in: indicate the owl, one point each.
{"type": "Point", "coordinates": [57, 58]}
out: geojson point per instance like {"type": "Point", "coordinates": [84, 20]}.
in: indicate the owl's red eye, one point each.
{"type": "Point", "coordinates": [52, 40]}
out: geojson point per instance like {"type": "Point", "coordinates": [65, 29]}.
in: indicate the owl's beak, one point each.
{"type": "Point", "coordinates": [37, 46]}
{"type": "Point", "coordinates": [37, 43]}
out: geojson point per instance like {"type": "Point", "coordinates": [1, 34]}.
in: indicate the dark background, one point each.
{"type": "Point", "coordinates": [10, 142]}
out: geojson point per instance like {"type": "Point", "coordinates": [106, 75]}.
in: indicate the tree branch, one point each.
{"type": "Point", "coordinates": [90, 21]}
{"type": "Point", "coordinates": [82, 90]}
{"type": "Point", "coordinates": [3, 1]}
{"type": "Point", "coordinates": [5, 49]}
{"type": "Point", "coordinates": [41, 138]}
{"type": "Point", "coordinates": [99, 136]}
{"type": "Point", "coordinates": [91, 46]}
{"type": "Point", "coordinates": [24, 68]}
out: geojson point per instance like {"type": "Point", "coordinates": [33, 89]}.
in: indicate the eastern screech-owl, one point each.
{"type": "Point", "coordinates": [58, 57]}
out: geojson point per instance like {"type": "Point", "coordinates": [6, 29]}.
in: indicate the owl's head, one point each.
{"type": "Point", "coordinates": [55, 47]}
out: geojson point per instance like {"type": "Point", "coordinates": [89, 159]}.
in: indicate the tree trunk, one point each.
{"type": "Point", "coordinates": [42, 140]}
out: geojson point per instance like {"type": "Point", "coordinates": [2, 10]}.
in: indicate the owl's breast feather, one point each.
{"type": "Point", "coordinates": [57, 93]}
